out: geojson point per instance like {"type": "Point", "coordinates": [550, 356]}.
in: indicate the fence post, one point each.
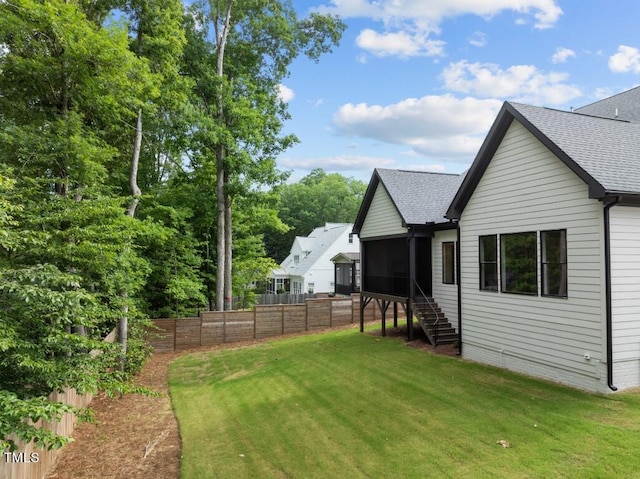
{"type": "Point", "coordinates": [282, 319]}
{"type": "Point", "coordinates": [331, 313]}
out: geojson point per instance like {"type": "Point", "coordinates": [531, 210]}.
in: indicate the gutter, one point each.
{"type": "Point", "coordinates": [458, 270]}
{"type": "Point", "coordinates": [609, 315]}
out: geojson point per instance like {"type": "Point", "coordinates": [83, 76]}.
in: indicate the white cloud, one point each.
{"type": "Point", "coordinates": [409, 25]}
{"type": "Point", "coordinates": [479, 39]}
{"type": "Point", "coordinates": [401, 44]}
{"type": "Point", "coordinates": [438, 126]}
{"type": "Point", "coordinates": [519, 82]}
{"type": "Point", "coordinates": [285, 93]}
{"type": "Point", "coordinates": [545, 12]}
{"type": "Point", "coordinates": [338, 163]}
{"type": "Point", "coordinates": [562, 55]}
{"type": "Point", "coordinates": [626, 60]}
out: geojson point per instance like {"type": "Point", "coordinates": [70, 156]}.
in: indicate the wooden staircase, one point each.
{"type": "Point", "coordinates": [433, 321]}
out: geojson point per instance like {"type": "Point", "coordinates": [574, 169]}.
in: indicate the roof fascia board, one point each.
{"type": "Point", "coordinates": [366, 202]}
{"type": "Point", "coordinates": [478, 167]}
{"type": "Point", "coordinates": [375, 181]}
{"type": "Point", "coordinates": [432, 226]}
{"type": "Point", "coordinates": [384, 237]}
{"type": "Point", "coordinates": [624, 199]}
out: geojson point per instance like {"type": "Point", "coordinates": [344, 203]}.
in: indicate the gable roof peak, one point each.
{"type": "Point", "coordinates": [601, 150]}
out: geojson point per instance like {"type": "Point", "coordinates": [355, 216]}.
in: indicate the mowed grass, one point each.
{"type": "Point", "coordinates": [350, 405]}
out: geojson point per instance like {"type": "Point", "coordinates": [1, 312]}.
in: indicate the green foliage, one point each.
{"type": "Point", "coordinates": [60, 283]}
{"type": "Point", "coordinates": [14, 410]}
{"type": "Point", "coordinates": [74, 75]}
{"type": "Point", "coordinates": [174, 287]}
{"type": "Point", "coordinates": [318, 198]}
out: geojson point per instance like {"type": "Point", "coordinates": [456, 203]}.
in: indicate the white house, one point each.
{"type": "Point", "coordinates": [546, 233]}
{"type": "Point", "coordinates": [550, 244]}
{"type": "Point", "coordinates": [308, 268]}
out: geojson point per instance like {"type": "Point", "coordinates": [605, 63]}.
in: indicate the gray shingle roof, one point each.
{"type": "Point", "coordinates": [626, 104]}
{"type": "Point", "coordinates": [606, 149]}
{"type": "Point", "coordinates": [322, 238]}
{"type": "Point", "coordinates": [353, 257]}
{"type": "Point", "coordinates": [420, 197]}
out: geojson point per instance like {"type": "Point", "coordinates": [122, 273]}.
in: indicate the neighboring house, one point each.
{"type": "Point", "coordinates": [408, 248]}
{"type": "Point", "coordinates": [548, 223]}
{"type": "Point", "coordinates": [308, 268]}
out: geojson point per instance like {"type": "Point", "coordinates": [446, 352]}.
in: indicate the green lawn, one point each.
{"type": "Point", "coordinates": [350, 405]}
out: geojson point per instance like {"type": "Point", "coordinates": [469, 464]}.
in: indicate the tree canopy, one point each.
{"type": "Point", "coordinates": [318, 198]}
{"type": "Point", "coordinates": [134, 137]}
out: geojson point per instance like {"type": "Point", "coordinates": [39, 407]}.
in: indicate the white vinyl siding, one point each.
{"type": "Point", "coordinates": [382, 217]}
{"type": "Point", "coordinates": [446, 295]}
{"type": "Point", "coordinates": [625, 294]}
{"type": "Point", "coordinates": [526, 188]}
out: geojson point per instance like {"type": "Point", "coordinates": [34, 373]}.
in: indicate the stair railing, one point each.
{"type": "Point", "coordinates": [430, 303]}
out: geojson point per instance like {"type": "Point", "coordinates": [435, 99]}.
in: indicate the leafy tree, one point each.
{"type": "Point", "coordinates": [174, 120]}
{"type": "Point", "coordinates": [251, 266]}
{"type": "Point", "coordinates": [41, 310]}
{"type": "Point", "coordinates": [174, 288]}
{"type": "Point", "coordinates": [239, 53]}
{"type": "Point", "coordinates": [69, 261]}
{"type": "Point", "coordinates": [64, 82]}
{"type": "Point", "coordinates": [318, 198]}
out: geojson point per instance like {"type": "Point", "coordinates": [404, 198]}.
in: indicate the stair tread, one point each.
{"type": "Point", "coordinates": [428, 312]}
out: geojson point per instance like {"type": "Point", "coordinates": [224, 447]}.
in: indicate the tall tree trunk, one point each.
{"type": "Point", "coordinates": [123, 323]}
{"type": "Point", "coordinates": [133, 174]}
{"type": "Point", "coordinates": [220, 234]}
{"type": "Point", "coordinates": [221, 173]}
{"type": "Point", "coordinates": [228, 262]}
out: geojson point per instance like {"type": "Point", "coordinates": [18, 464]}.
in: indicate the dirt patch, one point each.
{"type": "Point", "coordinates": [419, 340]}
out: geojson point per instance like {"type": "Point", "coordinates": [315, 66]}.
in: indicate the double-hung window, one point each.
{"type": "Point", "coordinates": [553, 265]}
{"type": "Point", "coordinates": [489, 263]}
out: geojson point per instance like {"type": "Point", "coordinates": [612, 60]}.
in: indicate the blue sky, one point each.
{"type": "Point", "coordinates": [416, 84]}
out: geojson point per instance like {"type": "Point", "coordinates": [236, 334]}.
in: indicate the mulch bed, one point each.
{"type": "Point", "coordinates": [132, 436]}
{"type": "Point", "coordinates": [137, 436]}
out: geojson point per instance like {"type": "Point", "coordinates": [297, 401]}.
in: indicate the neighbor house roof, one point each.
{"type": "Point", "coordinates": [603, 152]}
{"type": "Point", "coordinates": [315, 245]}
{"type": "Point", "coordinates": [420, 197]}
{"type": "Point", "coordinates": [346, 258]}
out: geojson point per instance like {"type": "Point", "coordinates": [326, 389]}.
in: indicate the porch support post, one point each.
{"type": "Point", "coordinates": [395, 314]}
{"type": "Point", "coordinates": [383, 305]}
{"type": "Point", "coordinates": [364, 301]}
{"type": "Point", "coordinates": [409, 313]}
{"type": "Point", "coordinates": [412, 266]}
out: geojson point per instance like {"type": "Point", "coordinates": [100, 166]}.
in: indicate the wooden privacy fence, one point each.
{"type": "Point", "coordinates": [264, 321]}
{"type": "Point", "coordinates": [29, 462]}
